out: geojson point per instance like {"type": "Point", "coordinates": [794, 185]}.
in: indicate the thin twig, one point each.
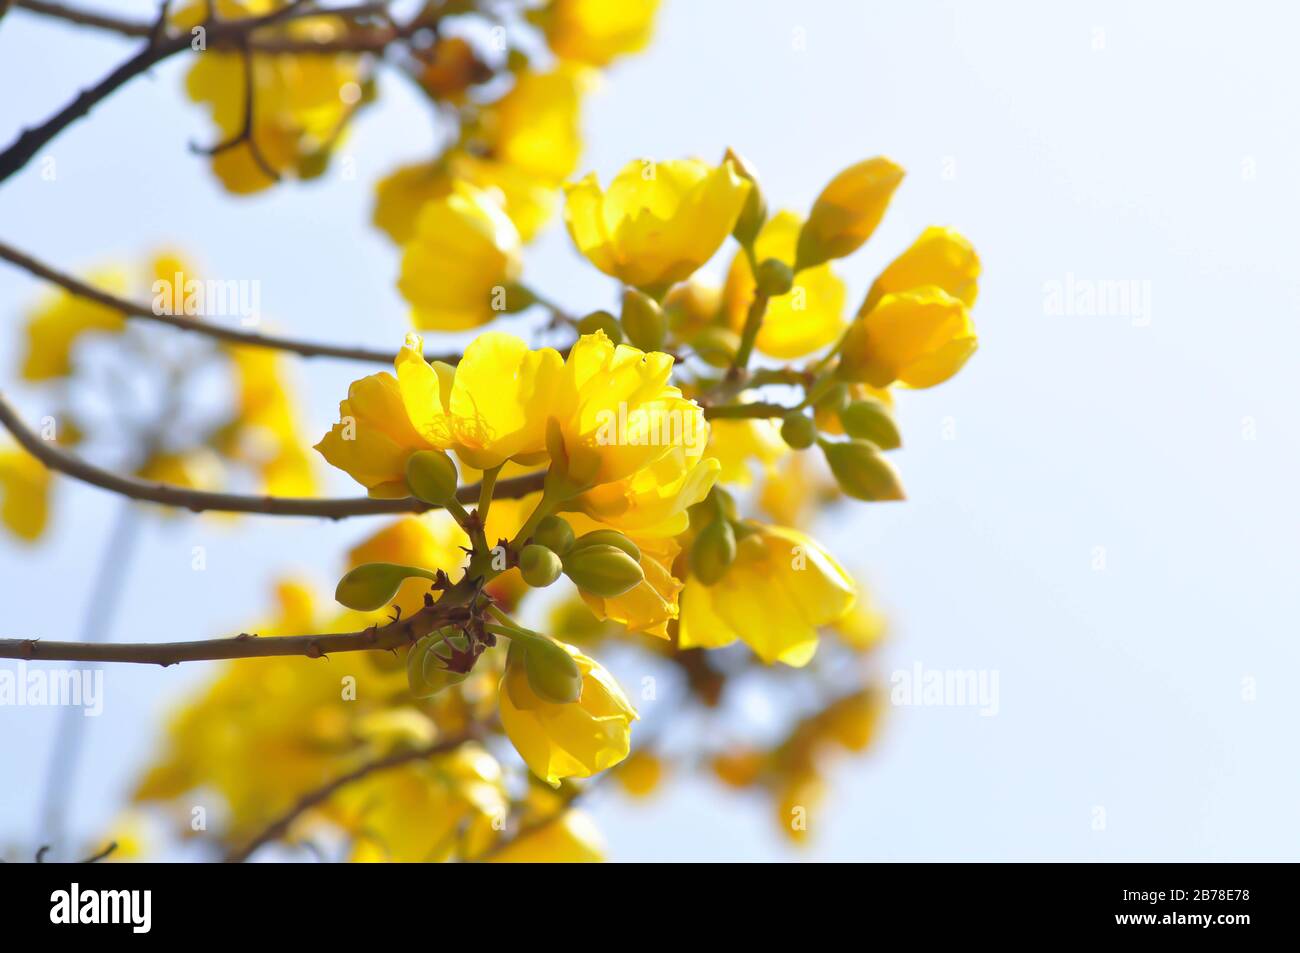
{"type": "Point", "coordinates": [196, 501]}
{"type": "Point", "coordinates": [387, 637]}
{"type": "Point", "coordinates": [135, 309]}
{"type": "Point", "coordinates": [246, 134]}
{"type": "Point", "coordinates": [281, 826]}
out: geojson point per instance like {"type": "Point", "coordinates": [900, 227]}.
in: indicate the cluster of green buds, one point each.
{"type": "Point", "coordinates": [858, 462]}
{"type": "Point", "coordinates": [603, 562]}
{"type": "Point", "coordinates": [442, 658]}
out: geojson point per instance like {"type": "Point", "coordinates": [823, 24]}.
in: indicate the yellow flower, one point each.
{"type": "Point", "coordinates": [651, 604]}
{"type": "Point", "coordinates": [652, 503]}
{"type": "Point", "coordinates": [534, 127]}
{"type": "Point", "coordinates": [572, 838]}
{"type": "Point", "coordinates": [920, 338]}
{"type": "Point", "coordinates": [298, 99]}
{"type": "Point", "coordinates": [597, 31]}
{"type": "Point", "coordinates": [567, 741]}
{"type": "Point", "coordinates": [464, 256]}
{"type": "Point", "coordinates": [735, 443]}
{"type": "Point", "coordinates": [782, 586]}
{"type": "Point", "coordinates": [658, 221]}
{"type": "Point", "coordinates": [264, 433]}
{"type": "Point", "coordinates": [426, 812]}
{"type": "Point", "coordinates": [56, 326]}
{"type": "Point", "coordinates": [24, 493]}
{"type": "Point", "coordinates": [640, 774]}
{"type": "Point", "coordinates": [808, 317]}
{"type": "Point", "coordinates": [399, 198]}
{"type": "Point", "coordinates": [940, 257]}
{"type": "Point", "coordinates": [847, 211]}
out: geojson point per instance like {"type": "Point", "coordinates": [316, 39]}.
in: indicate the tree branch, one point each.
{"type": "Point", "coordinates": [322, 794]}
{"type": "Point", "coordinates": [134, 309]}
{"type": "Point", "coordinates": [196, 501]}
{"type": "Point", "coordinates": [390, 636]}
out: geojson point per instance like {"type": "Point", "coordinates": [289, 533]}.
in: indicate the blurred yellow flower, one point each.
{"type": "Point", "coordinates": [808, 317]}
{"type": "Point", "coordinates": [658, 221]}
{"type": "Point", "coordinates": [429, 540]}
{"type": "Point", "coordinates": [571, 838]}
{"type": "Point", "coordinates": [782, 586]}
{"type": "Point", "coordinates": [640, 774]}
{"type": "Point", "coordinates": [847, 211]}
{"type": "Point", "coordinates": [567, 741]}
{"type": "Point", "coordinates": [463, 258]}
{"type": "Point", "coordinates": [264, 432]}
{"type": "Point", "coordinates": [59, 322]}
{"type": "Point", "coordinates": [400, 197]}
{"type": "Point", "coordinates": [535, 126]}
{"type": "Point", "coordinates": [24, 493]}
{"type": "Point", "coordinates": [448, 807]}
{"type": "Point", "coordinates": [920, 338]}
{"type": "Point", "coordinates": [941, 257]}
{"type": "Point", "coordinates": [597, 31]}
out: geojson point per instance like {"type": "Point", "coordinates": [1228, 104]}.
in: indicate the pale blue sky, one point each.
{"type": "Point", "coordinates": [1107, 141]}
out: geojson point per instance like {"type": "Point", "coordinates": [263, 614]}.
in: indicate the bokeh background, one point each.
{"type": "Point", "coordinates": [1106, 141]}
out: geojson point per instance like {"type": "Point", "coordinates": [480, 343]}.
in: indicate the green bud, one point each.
{"type": "Point", "coordinates": [373, 585]}
{"type": "Point", "coordinates": [830, 394]}
{"type": "Point", "coordinates": [553, 675]}
{"type": "Point", "coordinates": [871, 420]}
{"type": "Point", "coordinates": [602, 570]}
{"type": "Point", "coordinates": [555, 533]}
{"type": "Point", "coordinates": [434, 662]}
{"type": "Point", "coordinates": [312, 165]}
{"type": "Point", "coordinates": [713, 552]}
{"type": "Point", "coordinates": [609, 537]}
{"type": "Point", "coordinates": [539, 566]}
{"type": "Point", "coordinates": [643, 321]}
{"type": "Point", "coordinates": [716, 346]}
{"type": "Point", "coordinates": [774, 277]}
{"type": "Point", "coordinates": [861, 471]}
{"type": "Point", "coordinates": [601, 321]}
{"type": "Point", "coordinates": [431, 475]}
{"type": "Point", "coordinates": [754, 213]}
{"type": "Point", "coordinates": [798, 430]}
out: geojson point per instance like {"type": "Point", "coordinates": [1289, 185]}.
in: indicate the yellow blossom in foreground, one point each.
{"type": "Point", "coordinates": [597, 31]}
{"type": "Point", "coordinates": [658, 221]}
{"type": "Point", "coordinates": [572, 838]}
{"type": "Point", "coordinates": [465, 254]}
{"type": "Point", "coordinates": [782, 586]}
{"type": "Point", "coordinates": [59, 323]}
{"type": "Point", "coordinates": [920, 338]}
{"type": "Point", "coordinates": [399, 197]}
{"type": "Point", "coordinates": [808, 317]}
{"type": "Point", "coordinates": [941, 257]}
{"type": "Point", "coordinates": [24, 493]}
{"type": "Point", "coordinates": [567, 741]}
{"type": "Point", "coordinates": [847, 211]}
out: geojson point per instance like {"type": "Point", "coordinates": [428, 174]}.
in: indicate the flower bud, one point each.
{"type": "Point", "coordinates": [609, 537]}
{"type": "Point", "coordinates": [861, 471]}
{"type": "Point", "coordinates": [713, 552]}
{"type": "Point", "coordinates": [555, 533]}
{"type": "Point", "coordinates": [754, 212]}
{"type": "Point", "coordinates": [847, 212]}
{"type": "Point", "coordinates": [601, 321]}
{"type": "Point", "coordinates": [539, 566]}
{"type": "Point", "coordinates": [552, 673]}
{"type": "Point", "coordinates": [830, 395]}
{"type": "Point", "coordinates": [603, 570]}
{"type": "Point", "coordinates": [774, 277]}
{"type": "Point", "coordinates": [716, 346]}
{"type": "Point", "coordinates": [373, 585]}
{"type": "Point", "coordinates": [431, 475]}
{"type": "Point", "coordinates": [643, 321]}
{"type": "Point", "coordinates": [439, 660]}
{"type": "Point", "coordinates": [798, 430]}
{"type": "Point", "coordinates": [871, 420]}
